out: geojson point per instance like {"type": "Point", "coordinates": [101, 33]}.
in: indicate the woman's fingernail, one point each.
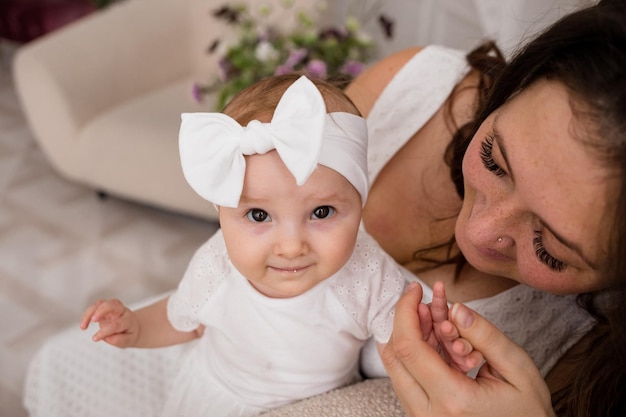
{"type": "Point", "coordinates": [462, 315]}
{"type": "Point", "coordinates": [411, 286]}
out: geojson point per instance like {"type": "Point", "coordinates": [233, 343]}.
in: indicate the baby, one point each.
{"type": "Point", "coordinates": [277, 304]}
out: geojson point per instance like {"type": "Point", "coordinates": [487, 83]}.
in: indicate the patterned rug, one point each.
{"type": "Point", "coordinates": [62, 248]}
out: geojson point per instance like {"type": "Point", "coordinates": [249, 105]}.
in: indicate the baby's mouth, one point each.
{"type": "Point", "coordinates": [289, 269]}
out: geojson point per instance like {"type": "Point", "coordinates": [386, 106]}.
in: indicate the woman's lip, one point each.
{"type": "Point", "coordinates": [493, 254]}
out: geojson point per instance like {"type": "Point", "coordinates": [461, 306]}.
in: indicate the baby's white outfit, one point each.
{"type": "Point", "coordinates": [258, 352]}
{"type": "Point", "coordinates": [67, 376]}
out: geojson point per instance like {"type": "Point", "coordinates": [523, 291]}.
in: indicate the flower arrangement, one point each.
{"type": "Point", "coordinates": [334, 53]}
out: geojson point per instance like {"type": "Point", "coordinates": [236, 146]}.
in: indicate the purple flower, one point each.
{"type": "Point", "coordinates": [317, 68]}
{"type": "Point", "coordinates": [283, 69]}
{"type": "Point", "coordinates": [225, 69]}
{"type": "Point", "coordinates": [196, 92]}
{"type": "Point", "coordinates": [352, 67]}
{"type": "Point", "coordinates": [296, 56]}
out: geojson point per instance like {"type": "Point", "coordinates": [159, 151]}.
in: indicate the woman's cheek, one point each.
{"type": "Point", "coordinates": [474, 171]}
{"type": "Point", "coordinates": [535, 274]}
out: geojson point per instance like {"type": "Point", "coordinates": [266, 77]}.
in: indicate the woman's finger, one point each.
{"type": "Point", "coordinates": [503, 356]}
{"type": "Point", "coordinates": [408, 390]}
{"type": "Point", "coordinates": [398, 351]}
{"type": "Point", "coordinates": [406, 325]}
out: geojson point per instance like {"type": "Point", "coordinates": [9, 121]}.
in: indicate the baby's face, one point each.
{"type": "Point", "coordinates": [286, 239]}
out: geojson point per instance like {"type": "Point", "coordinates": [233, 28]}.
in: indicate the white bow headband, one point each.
{"type": "Point", "coordinates": [212, 145]}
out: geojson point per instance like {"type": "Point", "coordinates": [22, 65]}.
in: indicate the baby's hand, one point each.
{"type": "Point", "coordinates": [118, 325]}
{"type": "Point", "coordinates": [440, 333]}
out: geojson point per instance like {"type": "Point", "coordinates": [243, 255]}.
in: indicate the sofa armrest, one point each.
{"type": "Point", "coordinates": [68, 77]}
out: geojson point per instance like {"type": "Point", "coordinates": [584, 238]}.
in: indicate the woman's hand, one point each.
{"type": "Point", "coordinates": [507, 384]}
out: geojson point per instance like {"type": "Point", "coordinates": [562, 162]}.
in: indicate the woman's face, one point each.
{"type": "Point", "coordinates": [535, 197]}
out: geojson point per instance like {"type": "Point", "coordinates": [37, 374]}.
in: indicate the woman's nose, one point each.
{"type": "Point", "coordinates": [500, 221]}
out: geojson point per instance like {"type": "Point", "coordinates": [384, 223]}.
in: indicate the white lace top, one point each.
{"type": "Point", "coordinates": [410, 99]}
{"type": "Point", "coordinates": [266, 352]}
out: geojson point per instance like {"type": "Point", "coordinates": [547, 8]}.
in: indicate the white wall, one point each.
{"type": "Point", "coordinates": [459, 23]}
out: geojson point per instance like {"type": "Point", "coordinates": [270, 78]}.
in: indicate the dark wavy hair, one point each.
{"type": "Point", "coordinates": [586, 52]}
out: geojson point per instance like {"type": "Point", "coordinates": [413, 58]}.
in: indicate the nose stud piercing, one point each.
{"type": "Point", "coordinates": [499, 239]}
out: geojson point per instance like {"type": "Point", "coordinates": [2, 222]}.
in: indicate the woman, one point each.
{"type": "Point", "coordinates": [539, 173]}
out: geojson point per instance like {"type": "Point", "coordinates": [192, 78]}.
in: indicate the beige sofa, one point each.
{"type": "Point", "coordinates": [104, 95]}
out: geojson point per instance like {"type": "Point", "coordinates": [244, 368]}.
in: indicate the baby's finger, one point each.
{"type": "Point", "coordinates": [439, 303]}
{"type": "Point", "coordinates": [103, 333]}
{"type": "Point", "coordinates": [472, 360]}
{"type": "Point", "coordinates": [426, 320]}
{"type": "Point", "coordinates": [110, 327]}
{"type": "Point", "coordinates": [88, 314]}
{"type": "Point", "coordinates": [459, 351]}
{"type": "Point", "coordinates": [114, 336]}
{"type": "Point", "coordinates": [108, 308]}
{"type": "Point", "coordinates": [448, 331]}
{"type": "Point", "coordinates": [504, 357]}
{"type": "Point", "coordinates": [120, 340]}
{"type": "Point", "coordinates": [461, 347]}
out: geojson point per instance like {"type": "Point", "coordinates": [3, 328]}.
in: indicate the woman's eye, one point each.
{"type": "Point", "coordinates": [258, 216]}
{"type": "Point", "coordinates": [543, 255]}
{"type": "Point", "coordinates": [486, 154]}
{"type": "Point", "coordinates": [322, 212]}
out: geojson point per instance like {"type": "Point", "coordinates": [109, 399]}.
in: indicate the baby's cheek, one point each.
{"type": "Point", "coordinates": [341, 254]}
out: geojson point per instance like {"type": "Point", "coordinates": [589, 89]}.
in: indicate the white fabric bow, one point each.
{"type": "Point", "coordinates": [212, 145]}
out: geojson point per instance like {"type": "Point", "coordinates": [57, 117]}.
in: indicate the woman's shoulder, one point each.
{"type": "Point", "coordinates": [368, 86]}
{"type": "Point", "coordinates": [427, 62]}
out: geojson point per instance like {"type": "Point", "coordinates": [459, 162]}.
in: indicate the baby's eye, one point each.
{"type": "Point", "coordinates": [322, 212]}
{"type": "Point", "coordinates": [258, 216]}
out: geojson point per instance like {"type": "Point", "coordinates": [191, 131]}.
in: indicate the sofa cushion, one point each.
{"type": "Point", "coordinates": [131, 150]}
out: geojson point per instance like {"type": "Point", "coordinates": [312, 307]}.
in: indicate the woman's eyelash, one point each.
{"type": "Point", "coordinates": [486, 154]}
{"type": "Point", "coordinates": [543, 255]}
